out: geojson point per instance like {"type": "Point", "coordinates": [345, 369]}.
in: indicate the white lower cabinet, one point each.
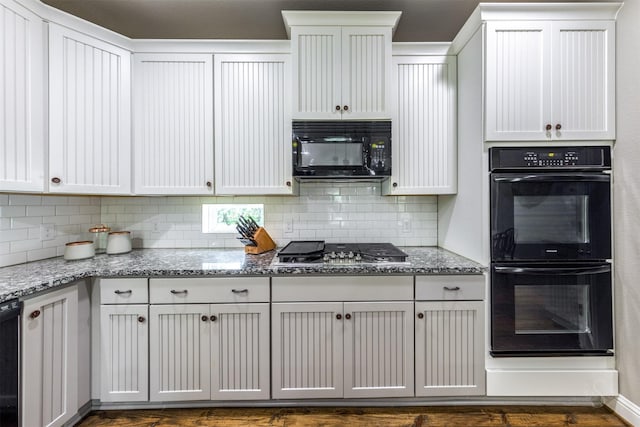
{"type": "Point", "coordinates": [336, 349]}
{"type": "Point", "coordinates": [124, 353]}
{"type": "Point", "coordinates": [49, 358]}
{"type": "Point", "coordinates": [202, 350]}
{"type": "Point", "coordinates": [307, 350]}
{"type": "Point", "coordinates": [123, 339]}
{"type": "Point", "coordinates": [449, 336]}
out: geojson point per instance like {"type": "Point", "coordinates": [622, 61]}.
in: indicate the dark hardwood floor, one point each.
{"type": "Point", "coordinates": [430, 416]}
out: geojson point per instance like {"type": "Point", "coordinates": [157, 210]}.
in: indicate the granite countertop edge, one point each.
{"type": "Point", "coordinates": [25, 280]}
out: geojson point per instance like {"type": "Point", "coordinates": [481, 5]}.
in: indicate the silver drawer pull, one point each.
{"type": "Point", "coordinates": [240, 291]}
{"type": "Point", "coordinates": [455, 288]}
{"type": "Point", "coordinates": [184, 291]}
{"type": "Point", "coordinates": [119, 292]}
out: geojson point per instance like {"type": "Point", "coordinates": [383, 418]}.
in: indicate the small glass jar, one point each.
{"type": "Point", "coordinates": [100, 234]}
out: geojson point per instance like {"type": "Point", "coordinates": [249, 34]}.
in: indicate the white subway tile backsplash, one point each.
{"type": "Point", "coordinates": [39, 254]}
{"type": "Point", "coordinates": [41, 211]}
{"type": "Point", "coordinates": [22, 214]}
{"type": "Point", "coordinates": [25, 245]}
{"type": "Point", "coordinates": [13, 235]}
{"type": "Point", "coordinates": [26, 222]}
{"type": "Point", "coordinates": [68, 209]}
{"type": "Point", "coordinates": [327, 211]}
{"type": "Point", "coordinates": [24, 200]}
{"type": "Point", "coordinates": [12, 211]}
{"type": "Point", "coordinates": [11, 259]}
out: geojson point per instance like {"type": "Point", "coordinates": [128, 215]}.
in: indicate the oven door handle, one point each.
{"type": "Point", "coordinates": [554, 270]}
{"type": "Point", "coordinates": [556, 178]}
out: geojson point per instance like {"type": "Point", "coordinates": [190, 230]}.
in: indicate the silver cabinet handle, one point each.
{"type": "Point", "coordinates": [240, 291]}
{"type": "Point", "coordinates": [448, 288]}
{"type": "Point", "coordinates": [119, 292]}
{"type": "Point", "coordinates": [184, 291]}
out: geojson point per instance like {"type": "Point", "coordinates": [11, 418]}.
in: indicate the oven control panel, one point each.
{"type": "Point", "coordinates": [501, 158]}
{"type": "Point", "coordinates": [551, 159]}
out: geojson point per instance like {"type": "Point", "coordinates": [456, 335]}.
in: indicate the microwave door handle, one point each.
{"type": "Point", "coordinates": [548, 270]}
{"type": "Point", "coordinates": [555, 178]}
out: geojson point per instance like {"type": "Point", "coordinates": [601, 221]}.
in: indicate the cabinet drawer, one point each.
{"type": "Point", "coordinates": [123, 291]}
{"type": "Point", "coordinates": [343, 288]}
{"type": "Point", "coordinates": [209, 290]}
{"type": "Point", "coordinates": [437, 288]}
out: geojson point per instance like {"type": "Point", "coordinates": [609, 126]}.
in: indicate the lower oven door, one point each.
{"type": "Point", "coordinates": [543, 309]}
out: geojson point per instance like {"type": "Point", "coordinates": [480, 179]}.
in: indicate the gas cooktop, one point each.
{"type": "Point", "coordinates": [317, 252]}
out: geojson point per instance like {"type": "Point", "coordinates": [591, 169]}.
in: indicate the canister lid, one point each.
{"type": "Point", "coordinates": [100, 229]}
{"type": "Point", "coordinates": [84, 242]}
{"type": "Point", "coordinates": [120, 232]}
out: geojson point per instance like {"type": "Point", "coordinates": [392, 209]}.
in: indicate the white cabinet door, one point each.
{"type": "Point", "coordinates": [240, 351]}
{"type": "Point", "coordinates": [253, 124]}
{"type": "Point", "coordinates": [583, 80]}
{"type": "Point", "coordinates": [317, 73]}
{"type": "Point", "coordinates": [49, 358]}
{"type": "Point", "coordinates": [179, 343]}
{"type": "Point", "coordinates": [550, 80]}
{"type": "Point", "coordinates": [124, 344]}
{"type": "Point", "coordinates": [307, 350]}
{"type": "Point", "coordinates": [173, 124]}
{"type": "Point", "coordinates": [449, 342]}
{"type": "Point", "coordinates": [341, 72]}
{"type": "Point", "coordinates": [378, 349]}
{"type": "Point", "coordinates": [22, 72]}
{"type": "Point", "coordinates": [424, 126]}
{"type": "Point", "coordinates": [366, 72]}
{"type": "Point", "coordinates": [89, 115]}
{"type": "Point", "coordinates": [518, 80]}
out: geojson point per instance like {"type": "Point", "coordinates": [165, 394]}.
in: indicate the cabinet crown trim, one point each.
{"type": "Point", "coordinates": [532, 12]}
{"type": "Point", "coordinates": [340, 18]}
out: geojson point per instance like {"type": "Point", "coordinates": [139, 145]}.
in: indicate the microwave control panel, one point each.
{"type": "Point", "coordinates": [501, 158]}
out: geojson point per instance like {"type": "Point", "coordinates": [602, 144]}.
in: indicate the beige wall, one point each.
{"type": "Point", "coordinates": [627, 200]}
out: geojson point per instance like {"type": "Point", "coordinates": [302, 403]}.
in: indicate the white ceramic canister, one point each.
{"type": "Point", "coordinates": [119, 242]}
{"type": "Point", "coordinates": [79, 250]}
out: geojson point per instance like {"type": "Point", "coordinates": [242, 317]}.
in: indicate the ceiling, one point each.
{"type": "Point", "coordinates": [422, 20]}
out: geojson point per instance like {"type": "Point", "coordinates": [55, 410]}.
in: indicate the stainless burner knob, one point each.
{"type": "Point", "coordinates": [358, 258]}
{"type": "Point", "coordinates": [350, 255]}
{"type": "Point", "coordinates": [341, 255]}
{"type": "Point", "coordinates": [333, 255]}
{"type": "Point", "coordinates": [326, 258]}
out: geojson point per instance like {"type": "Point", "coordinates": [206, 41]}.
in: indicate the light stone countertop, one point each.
{"type": "Point", "coordinates": [23, 280]}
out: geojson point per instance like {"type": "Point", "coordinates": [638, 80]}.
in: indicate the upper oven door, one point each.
{"type": "Point", "coordinates": [550, 216]}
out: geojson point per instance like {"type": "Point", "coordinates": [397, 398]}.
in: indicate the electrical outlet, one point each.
{"type": "Point", "coordinates": [406, 225]}
{"type": "Point", "coordinates": [47, 231]}
{"type": "Point", "coordinates": [288, 225]}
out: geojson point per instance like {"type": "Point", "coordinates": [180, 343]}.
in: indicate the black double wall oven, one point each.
{"type": "Point", "coordinates": [550, 213]}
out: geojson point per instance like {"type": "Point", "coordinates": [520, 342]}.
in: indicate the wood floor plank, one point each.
{"type": "Point", "coordinates": [429, 416]}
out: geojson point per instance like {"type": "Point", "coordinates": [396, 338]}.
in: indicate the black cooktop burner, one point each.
{"type": "Point", "coordinates": [316, 251]}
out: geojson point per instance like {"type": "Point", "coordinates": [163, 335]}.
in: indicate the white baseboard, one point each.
{"type": "Point", "coordinates": [626, 409]}
{"type": "Point", "coordinates": [552, 382]}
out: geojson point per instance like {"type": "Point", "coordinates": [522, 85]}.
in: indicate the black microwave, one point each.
{"type": "Point", "coordinates": [341, 149]}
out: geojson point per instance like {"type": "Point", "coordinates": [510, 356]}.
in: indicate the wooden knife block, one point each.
{"type": "Point", "coordinates": [264, 243]}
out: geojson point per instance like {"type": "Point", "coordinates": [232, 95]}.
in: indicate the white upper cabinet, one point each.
{"type": "Point", "coordinates": [550, 80]}
{"type": "Point", "coordinates": [253, 124]}
{"type": "Point", "coordinates": [424, 126]}
{"type": "Point", "coordinates": [89, 114]}
{"type": "Point", "coordinates": [21, 99]}
{"type": "Point", "coordinates": [173, 123]}
{"type": "Point", "coordinates": [341, 64]}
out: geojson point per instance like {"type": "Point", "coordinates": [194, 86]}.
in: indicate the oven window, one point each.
{"type": "Point", "coordinates": [551, 219]}
{"type": "Point", "coordinates": [556, 309]}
